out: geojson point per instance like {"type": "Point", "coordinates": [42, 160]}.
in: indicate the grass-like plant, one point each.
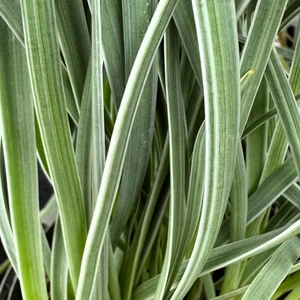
{"type": "Point", "coordinates": [170, 133]}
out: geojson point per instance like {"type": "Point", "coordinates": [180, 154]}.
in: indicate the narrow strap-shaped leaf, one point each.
{"type": "Point", "coordinates": [98, 129]}
{"type": "Point", "coordinates": [257, 147]}
{"type": "Point", "coordinates": [45, 71]}
{"type": "Point", "coordinates": [59, 266]}
{"type": "Point", "coordinates": [254, 266]}
{"type": "Point", "coordinates": [136, 17]}
{"type": "Point", "coordinates": [17, 114]}
{"type": "Point", "coordinates": [116, 153]}
{"type": "Point", "coordinates": [257, 49]}
{"type": "Point", "coordinates": [177, 141]}
{"type": "Point", "coordinates": [220, 59]}
{"type": "Point", "coordinates": [113, 47]}
{"type": "Point", "coordinates": [238, 219]}
{"type": "Point", "coordinates": [274, 272]}
{"type": "Point", "coordinates": [84, 147]}
{"type": "Point", "coordinates": [285, 103]}
{"type": "Point", "coordinates": [265, 195]}
{"type": "Point", "coordinates": [239, 199]}
{"type": "Point", "coordinates": [291, 11]}
{"type": "Point", "coordinates": [188, 80]}
{"type": "Point", "coordinates": [11, 13]}
{"type": "Point", "coordinates": [278, 145]}
{"type": "Point", "coordinates": [257, 140]}
{"type": "Point", "coordinates": [75, 42]}
{"type": "Point", "coordinates": [241, 5]}
{"type": "Point", "coordinates": [196, 187]}
{"type": "Point", "coordinates": [113, 282]}
{"type": "Point", "coordinates": [225, 255]}
{"type": "Point", "coordinates": [264, 118]}
{"type": "Point", "coordinates": [100, 286]}
{"type": "Point", "coordinates": [185, 23]}
{"type": "Point", "coordinates": [208, 285]}
{"type": "Point", "coordinates": [286, 214]}
{"type": "Point", "coordinates": [6, 233]}
{"type": "Point", "coordinates": [290, 284]}
{"type": "Point", "coordinates": [46, 253]}
{"type": "Point", "coordinates": [293, 194]}
{"type": "Point", "coordinates": [135, 261]}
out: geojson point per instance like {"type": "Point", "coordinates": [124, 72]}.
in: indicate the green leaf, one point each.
{"type": "Point", "coordinates": [238, 219]}
{"type": "Point", "coordinates": [274, 272]}
{"type": "Point", "coordinates": [291, 11]}
{"type": "Point", "coordinates": [113, 47]}
{"type": "Point", "coordinates": [6, 233]}
{"type": "Point", "coordinates": [226, 255]}
{"type": "Point", "coordinates": [136, 17]}
{"type": "Point", "coordinates": [11, 13]}
{"type": "Point", "coordinates": [47, 85]}
{"type": "Point", "coordinates": [84, 147]}
{"type": "Point", "coordinates": [74, 41]}
{"type": "Point", "coordinates": [263, 119]}
{"type": "Point", "coordinates": [257, 49]}
{"type": "Point", "coordinates": [196, 187]}
{"type": "Point", "coordinates": [177, 142]}
{"type": "Point", "coordinates": [241, 5]}
{"type": "Point", "coordinates": [185, 23]}
{"type": "Point", "coordinates": [278, 146]}
{"type": "Point", "coordinates": [285, 103]}
{"type": "Point", "coordinates": [59, 266]}
{"type": "Point", "coordinates": [257, 140]}
{"type": "Point", "coordinates": [293, 194]}
{"type": "Point", "coordinates": [116, 153]}
{"type": "Point", "coordinates": [265, 195]}
{"type": "Point", "coordinates": [146, 231]}
{"type": "Point", "coordinates": [17, 115]}
{"type": "Point", "coordinates": [220, 60]}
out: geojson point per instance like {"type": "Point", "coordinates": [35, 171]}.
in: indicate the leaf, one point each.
{"type": "Point", "coordinates": [265, 195]}
{"type": "Point", "coordinates": [116, 152]}
{"type": "Point", "coordinates": [74, 41]}
{"type": "Point", "coordinates": [47, 85]}
{"type": "Point", "coordinates": [113, 47]}
{"type": "Point", "coordinates": [6, 233]}
{"type": "Point", "coordinates": [274, 272]}
{"type": "Point", "coordinates": [17, 122]}
{"type": "Point", "coordinates": [287, 108]}
{"type": "Point", "coordinates": [257, 49]}
{"type": "Point", "coordinates": [59, 266]}
{"type": "Point", "coordinates": [185, 23]}
{"type": "Point", "coordinates": [11, 13]}
{"type": "Point", "coordinates": [225, 255]}
{"type": "Point", "coordinates": [238, 219]}
{"type": "Point", "coordinates": [177, 142]}
{"type": "Point", "coordinates": [136, 17]}
{"type": "Point", "coordinates": [220, 60]}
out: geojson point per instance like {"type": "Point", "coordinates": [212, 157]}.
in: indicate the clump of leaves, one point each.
{"type": "Point", "coordinates": [170, 133]}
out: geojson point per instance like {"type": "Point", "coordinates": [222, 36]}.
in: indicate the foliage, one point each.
{"type": "Point", "coordinates": [170, 133]}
